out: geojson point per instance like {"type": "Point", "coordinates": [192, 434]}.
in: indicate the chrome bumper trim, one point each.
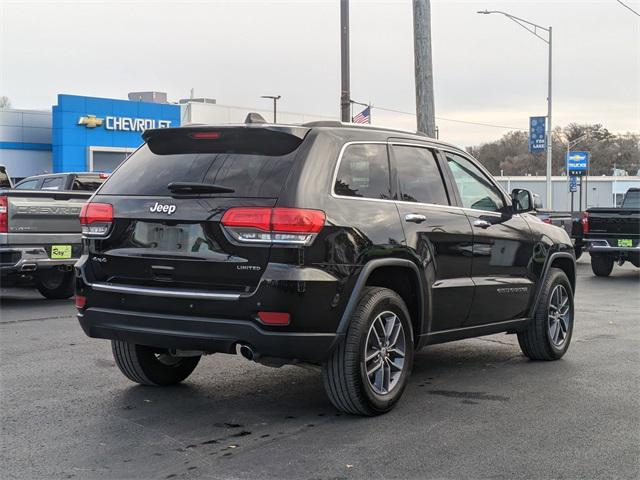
{"type": "Point", "coordinates": [160, 292]}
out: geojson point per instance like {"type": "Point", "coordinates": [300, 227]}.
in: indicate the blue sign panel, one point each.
{"type": "Point", "coordinates": [573, 184]}
{"type": "Point", "coordinates": [537, 127]}
{"type": "Point", "coordinates": [577, 163]}
{"type": "Point", "coordinates": [83, 122]}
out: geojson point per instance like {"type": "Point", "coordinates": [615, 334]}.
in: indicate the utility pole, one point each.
{"type": "Point", "coordinates": [425, 108]}
{"type": "Point", "coordinates": [345, 91]}
{"type": "Point", "coordinates": [275, 99]}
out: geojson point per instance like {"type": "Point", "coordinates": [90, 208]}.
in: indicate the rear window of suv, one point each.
{"type": "Point", "coordinates": [249, 175]}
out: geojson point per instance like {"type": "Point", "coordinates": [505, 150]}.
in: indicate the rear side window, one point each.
{"type": "Point", "coordinates": [419, 177]}
{"type": "Point", "coordinates": [53, 183]}
{"type": "Point", "coordinates": [632, 199]}
{"type": "Point", "coordinates": [28, 185]}
{"type": "Point", "coordinates": [364, 172]}
{"type": "Point", "coordinates": [249, 175]}
{"type": "Point", "coordinates": [87, 183]}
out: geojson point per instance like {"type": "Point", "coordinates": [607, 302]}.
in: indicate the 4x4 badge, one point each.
{"type": "Point", "coordinates": [160, 208]}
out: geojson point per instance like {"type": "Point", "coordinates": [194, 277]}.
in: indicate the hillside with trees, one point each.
{"type": "Point", "coordinates": [510, 154]}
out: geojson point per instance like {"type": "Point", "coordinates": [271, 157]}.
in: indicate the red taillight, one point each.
{"type": "Point", "coordinates": [96, 218]}
{"type": "Point", "coordinates": [205, 135]}
{"type": "Point", "coordinates": [273, 225]}
{"type": "Point", "coordinates": [259, 218]}
{"type": "Point", "coordinates": [547, 220]}
{"type": "Point", "coordinates": [103, 175]}
{"type": "Point", "coordinates": [80, 301]}
{"type": "Point", "coordinates": [4, 214]}
{"type": "Point", "coordinates": [274, 318]}
{"type": "Point", "coordinates": [585, 223]}
{"type": "Point", "coordinates": [297, 220]}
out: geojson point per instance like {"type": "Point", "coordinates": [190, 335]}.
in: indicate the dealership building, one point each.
{"type": "Point", "coordinates": [95, 134]}
{"type": "Point", "coordinates": [79, 133]}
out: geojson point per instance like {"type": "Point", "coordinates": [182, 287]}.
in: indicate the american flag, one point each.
{"type": "Point", "coordinates": [363, 117]}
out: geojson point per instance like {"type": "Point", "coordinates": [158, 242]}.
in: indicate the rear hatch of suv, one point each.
{"type": "Point", "coordinates": [157, 221]}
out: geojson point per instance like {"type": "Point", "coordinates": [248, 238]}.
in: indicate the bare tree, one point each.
{"type": "Point", "coordinates": [510, 154]}
{"type": "Point", "coordinates": [5, 102]}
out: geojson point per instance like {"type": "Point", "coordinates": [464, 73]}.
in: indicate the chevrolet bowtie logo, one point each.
{"type": "Point", "coordinates": [90, 121]}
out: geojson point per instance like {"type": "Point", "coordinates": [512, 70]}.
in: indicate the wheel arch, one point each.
{"type": "Point", "coordinates": [566, 262]}
{"type": "Point", "coordinates": [390, 273]}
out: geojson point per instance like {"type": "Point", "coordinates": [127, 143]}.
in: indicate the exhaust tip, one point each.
{"type": "Point", "coordinates": [246, 351]}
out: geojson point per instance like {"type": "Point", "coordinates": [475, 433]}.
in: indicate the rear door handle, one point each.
{"type": "Point", "coordinates": [481, 223]}
{"type": "Point", "coordinates": [414, 218]}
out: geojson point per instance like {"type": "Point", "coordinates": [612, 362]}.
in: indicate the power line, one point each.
{"type": "Point", "coordinates": [451, 119]}
{"type": "Point", "coordinates": [628, 7]}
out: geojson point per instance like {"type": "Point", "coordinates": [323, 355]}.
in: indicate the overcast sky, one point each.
{"type": "Point", "coordinates": [487, 69]}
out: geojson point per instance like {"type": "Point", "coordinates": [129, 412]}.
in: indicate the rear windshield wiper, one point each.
{"type": "Point", "coordinates": [195, 187]}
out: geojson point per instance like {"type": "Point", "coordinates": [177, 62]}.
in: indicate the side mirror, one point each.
{"type": "Point", "coordinates": [523, 200]}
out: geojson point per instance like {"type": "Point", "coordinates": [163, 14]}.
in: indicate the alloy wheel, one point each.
{"type": "Point", "coordinates": [385, 352]}
{"type": "Point", "coordinates": [559, 315]}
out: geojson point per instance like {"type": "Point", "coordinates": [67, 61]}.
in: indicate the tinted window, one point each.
{"type": "Point", "coordinates": [28, 185]}
{"type": "Point", "coordinates": [249, 175]}
{"type": "Point", "coordinates": [87, 183]}
{"type": "Point", "coordinates": [475, 188]}
{"type": "Point", "coordinates": [53, 183]}
{"type": "Point", "coordinates": [419, 176]}
{"type": "Point", "coordinates": [632, 199]}
{"type": "Point", "coordinates": [364, 172]}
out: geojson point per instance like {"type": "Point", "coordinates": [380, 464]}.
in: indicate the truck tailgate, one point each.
{"type": "Point", "coordinates": [41, 211]}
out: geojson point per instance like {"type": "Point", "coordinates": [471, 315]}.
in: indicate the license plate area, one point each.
{"type": "Point", "coordinates": [181, 239]}
{"type": "Point", "coordinates": [61, 252]}
{"type": "Point", "coordinates": [625, 242]}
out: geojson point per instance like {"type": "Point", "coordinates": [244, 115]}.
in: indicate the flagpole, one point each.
{"type": "Point", "coordinates": [370, 114]}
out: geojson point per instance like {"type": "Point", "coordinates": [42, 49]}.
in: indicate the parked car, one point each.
{"type": "Point", "coordinates": [40, 239]}
{"type": "Point", "coordinates": [5, 179]}
{"type": "Point", "coordinates": [325, 243]}
{"type": "Point", "coordinates": [613, 234]}
{"type": "Point", "coordinates": [83, 181]}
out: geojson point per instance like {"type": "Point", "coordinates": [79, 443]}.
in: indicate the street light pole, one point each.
{"type": "Point", "coordinates": [533, 28]}
{"type": "Point", "coordinates": [275, 99]}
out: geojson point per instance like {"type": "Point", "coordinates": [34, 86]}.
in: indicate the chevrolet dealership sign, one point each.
{"type": "Point", "coordinates": [123, 124]}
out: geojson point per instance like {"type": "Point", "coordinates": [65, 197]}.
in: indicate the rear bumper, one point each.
{"type": "Point", "coordinates": [206, 334]}
{"type": "Point", "coordinates": [28, 259]}
{"type": "Point", "coordinates": [603, 246]}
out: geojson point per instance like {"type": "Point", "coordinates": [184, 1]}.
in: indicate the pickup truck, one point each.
{"type": "Point", "coordinates": [40, 238]}
{"type": "Point", "coordinates": [613, 234]}
{"type": "Point", "coordinates": [569, 222]}
{"type": "Point", "coordinates": [85, 181]}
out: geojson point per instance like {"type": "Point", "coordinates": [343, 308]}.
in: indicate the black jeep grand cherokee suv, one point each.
{"type": "Point", "coordinates": [325, 243]}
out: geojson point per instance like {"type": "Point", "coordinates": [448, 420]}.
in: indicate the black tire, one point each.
{"type": "Point", "coordinates": [344, 374]}
{"type": "Point", "coordinates": [602, 265]}
{"type": "Point", "coordinates": [55, 284]}
{"type": "Point", "coordinates": [151, 366]}
{"type": "Point", "coordinates": [536, 341]}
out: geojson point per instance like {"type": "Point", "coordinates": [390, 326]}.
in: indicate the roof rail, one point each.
{"type": "Point", "coordinates": [335, 123]}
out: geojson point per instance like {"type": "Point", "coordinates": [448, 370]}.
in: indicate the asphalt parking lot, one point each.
{"type": "Point", "coordinates": [473, 409]}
